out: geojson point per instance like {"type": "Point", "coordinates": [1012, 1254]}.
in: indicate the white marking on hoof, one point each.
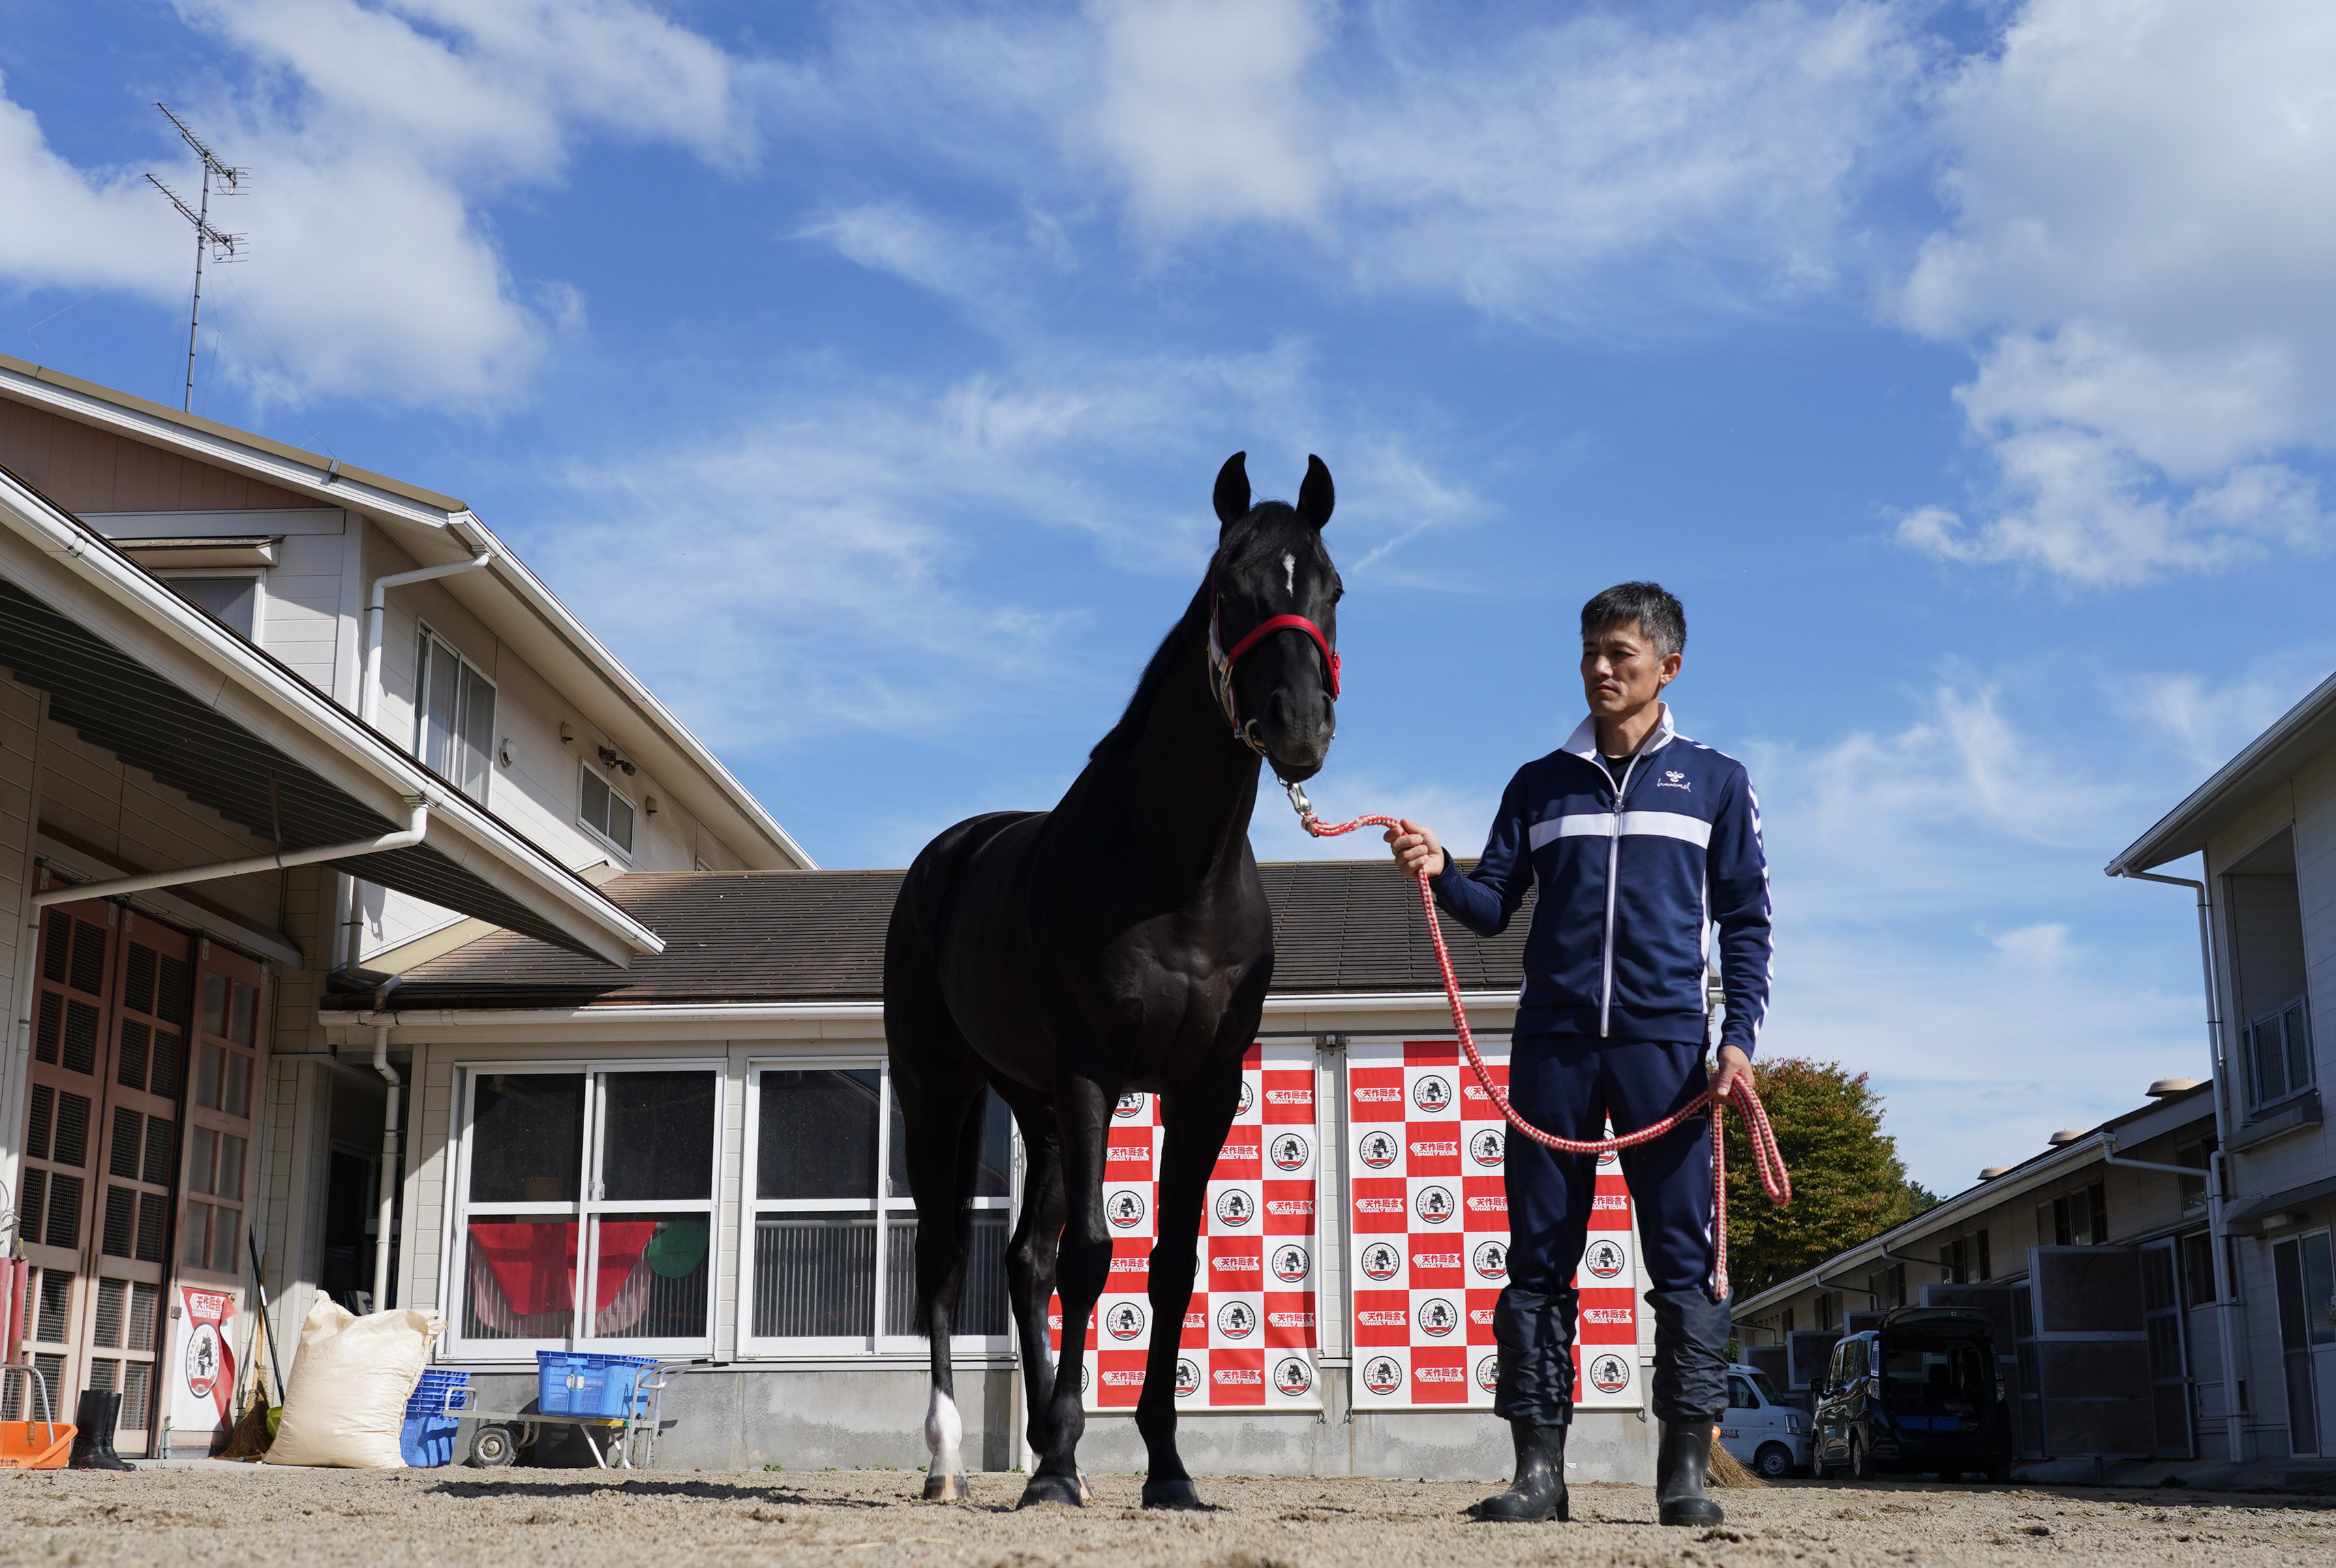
{"type": "Point", "coordinates": [944, 1430]}
{"type": "Point", "coordinates": [945, 1489]}
{"type": "Point", "coordinates": [1086, 1493]}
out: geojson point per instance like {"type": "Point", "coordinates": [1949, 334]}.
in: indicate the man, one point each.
{"type": "Point", "coordinates": [1639, 838]}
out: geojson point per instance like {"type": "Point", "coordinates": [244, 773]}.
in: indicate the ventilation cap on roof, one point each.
{"type": "Point", "coordinates": [1990, 1173]}
{"type": "Point", "coordinates": [2165, 1086]}
{"type": "Point", "coordinates": [2066, 1135]}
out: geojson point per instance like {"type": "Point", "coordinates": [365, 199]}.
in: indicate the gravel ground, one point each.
{"type": "Point", "coordinates": [187, 1517]}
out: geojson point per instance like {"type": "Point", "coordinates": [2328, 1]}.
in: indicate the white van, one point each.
{"type": "Point", "coordinates": [1759, 1430]}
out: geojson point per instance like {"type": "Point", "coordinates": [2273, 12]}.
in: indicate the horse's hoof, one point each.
{"type": "Point", "coordinates": [1063, 1489]}
{"type": "Point", "coordinates": [945, 1489]}
{"type": "Point", "coordinates": [1171, 1492]}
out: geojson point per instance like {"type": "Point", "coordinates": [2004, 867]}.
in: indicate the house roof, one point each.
{"type": "Point", "coordinates": [438, 529]}
{"type": "Point", "coordinates": [2128, 1128]}
{"type": "Point", "coordinates": [803, 936]}
{"type": "Point", "coordinates": [2302, 731]}
{"type": "Point", "coordinates": [173, 692]}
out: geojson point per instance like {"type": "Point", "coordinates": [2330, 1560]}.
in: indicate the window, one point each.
{"type": "Point", "coordinates": [234, 601]}
{"type": "Point", "coordinates": [2082, 1219]}
{"type": "Point", "coordinates": [2198, 1269]}
{"type": "Point", "coordinates": [454, 717]}
{"type": "Point", "coordinates": [2198, 1156]}
{"type": "Point", "coordinates": [2279, 1053]}
{"type": "Point", "coordinates": [1955, 1261]}
{"type": "Point", "coordinates": [603, 810]}
{"type": "Point", "coordinates": [1986, 1264]}
{"type": "Point", "coordinates": [2305, 1273]}
{"type": "Point", "coordinates": [1888, 1288]}
{"type": "Point", "coordinates": [1823, 1310]}
{"type": "Point", "coordinates": [588, 1207]}
{"type": "Point", "coordinates": [834, 1238]}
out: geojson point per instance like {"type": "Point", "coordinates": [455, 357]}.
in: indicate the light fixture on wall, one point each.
{"type": "Point", "coordinates": [649, 804]}
{"type": "Point", "coordinates": [505, 751]}
{"type": "Point", "coordinates": [566, 734]}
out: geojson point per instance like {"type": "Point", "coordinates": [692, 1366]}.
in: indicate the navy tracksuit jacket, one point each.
{"type": "Point", "coordinates": [1612, 1023]}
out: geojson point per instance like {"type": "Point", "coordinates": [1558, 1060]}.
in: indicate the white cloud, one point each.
{"type": "Point", "coordinates": [1202, 111]}
{"type": "Point", "coordinates": [2209, 719]}
{"type": "Point", "coordinates": [375, 135]}
{"type": "Point", "coordinates": [2144, 200]}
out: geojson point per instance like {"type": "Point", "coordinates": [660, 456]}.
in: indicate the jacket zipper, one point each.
{"type": "Point", "coordinates": [1614, 870]}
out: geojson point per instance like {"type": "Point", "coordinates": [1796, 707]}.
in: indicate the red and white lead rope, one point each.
{"type": "Point", "coordinates": [1766, 1159]}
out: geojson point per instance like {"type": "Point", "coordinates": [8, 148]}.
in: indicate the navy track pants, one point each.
{"type": "Point", "coordinates": [1571, 1085]}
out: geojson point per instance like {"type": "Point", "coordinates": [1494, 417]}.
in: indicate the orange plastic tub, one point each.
{"type": "Point", "coordinates": [34, 1444]}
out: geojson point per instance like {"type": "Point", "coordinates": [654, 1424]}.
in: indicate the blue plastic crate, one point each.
{"type": "Point", "coordinates": [572, 1383]}
{"type": "Point", "coordinates": [430, 1396]}
{"type": "Point", "coordinates": [427, 1440]}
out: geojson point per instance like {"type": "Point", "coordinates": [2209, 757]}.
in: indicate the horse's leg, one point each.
{"type": "Point", "coordinates": [943, 1145]}
{"type": "Point", "coordinates": [1196, 1118]}
{"type": "Point", "coordinates": [1083, 1111]}
{"type": "Point", "coordinates": [1030, 1253]}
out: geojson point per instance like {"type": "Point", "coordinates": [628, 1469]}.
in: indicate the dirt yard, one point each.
{"type": "Point", "coordinates": [520, 1519]}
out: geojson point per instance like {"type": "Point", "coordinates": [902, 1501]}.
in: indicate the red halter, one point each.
{"type": "Point", "coordinates": [1222, 660]}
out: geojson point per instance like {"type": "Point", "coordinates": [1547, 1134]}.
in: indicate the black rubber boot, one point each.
{"type": "Point", "coordinates": [1538, 1490]}
{"type": "Point", "coordinates": [94, 1422]}
{"type": "Point", "coordinates": [1680, 1466]}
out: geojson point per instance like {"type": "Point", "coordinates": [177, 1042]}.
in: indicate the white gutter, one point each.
{"type": "Point", "coordinates": [369, 701]}
{"type": "Point", "coordinates": [388, 1167]}
{"type": "Point", "coordinates": [411, 835]}
{"type": "Point", "coordinates": [2218, 1179]}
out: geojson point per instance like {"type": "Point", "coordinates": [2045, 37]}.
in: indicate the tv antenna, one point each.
{"type": "Point", "coordinates": [223, 247]}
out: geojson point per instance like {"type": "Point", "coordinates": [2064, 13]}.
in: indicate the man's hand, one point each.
{"type": "Point", "coordinates": [1416, 849]}
{"type": "Point", "coordinates": [1733, 1064]}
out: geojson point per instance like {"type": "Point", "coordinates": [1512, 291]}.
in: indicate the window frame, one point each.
{"type": "Point", "coordinates": [2299, 1005]}
{"type": "Point", "coordinates": [426, 635]}
{"type": "Point", "coordinates": [874, 1345]}
{"type": "Point", "coordinates": [583, 1209]}
{"type": "Point", "coordinates": [584, 767]}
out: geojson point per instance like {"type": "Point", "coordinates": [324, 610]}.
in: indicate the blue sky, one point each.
{"type": "Point", "coordinates": [860, 373]}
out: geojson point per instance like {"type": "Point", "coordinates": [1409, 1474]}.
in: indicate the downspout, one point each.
{"type": "Point", "coordinates": [345, 918]}
{"type": "Point", "coordinates": [2218, 1180]}
{"type": "Point", "coordinates": [389, 1134]}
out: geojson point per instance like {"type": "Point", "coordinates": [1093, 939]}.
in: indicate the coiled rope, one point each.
{"type": "Point", "coordinates": [1766, 1159]}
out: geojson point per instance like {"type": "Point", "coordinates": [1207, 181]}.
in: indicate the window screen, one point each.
{"type": "Point", "coordinates": [233, 600]}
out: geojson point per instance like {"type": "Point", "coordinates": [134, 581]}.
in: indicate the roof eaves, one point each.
{"type": "Point", "coordinates": [2184, 830]}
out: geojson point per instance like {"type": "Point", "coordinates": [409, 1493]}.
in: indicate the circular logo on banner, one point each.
{"type": "Point", "coordinates": [1608, 1160]}
{"type": "Point", "coordinates": [1381, 1375]}
{"type": "Point", "coordinates": [1488, 1372]}
{"type": "Point", "coordinates": [1086, 1377]}
{"type": "Point", "coordinates": [1434, 1205]}
{"type": "Point", "coordinates": [1235, 1208]}
{"type": "Point", "coordinates": [1129, 1107]}
{"type": "Point", "coordinates": [1123, 1321]}
{"type": "Point", "coordinates": [1609, 1374]}
{"type": "Point", "coordinates": [1124, 1208]}
{"type": "Point", "coordinates": [1437, 1316]}
{"type": "Point", "coordinates": [1292, 1376]}
{"type": "Point", "coordinates": [1291, 1263]}
{"type": "Point", "coordinates": [1605, 1259]}
{"type": "Point", "coordinates": [1292, 1151]}
{"type": "Point", "coordinates": [1236, 1319]}
{"type": "Point", "coordinates": [202, 1361]}
{"type": "Point", "coordinates": [1432, 1095]}
{"type": "Point", "coordinates": [1378, 1150]}
{"type": "Point", "coordinates": [1487, 1147]}
{"type": "Point", "coordinates": [1382, 1262]}
{"type": "Point", "coordinates": [1248, 1098]}
{"type": "Point", "coordinates": [1490, 1260]}
{"type": "Point", "coordinates": [1188, 1378]}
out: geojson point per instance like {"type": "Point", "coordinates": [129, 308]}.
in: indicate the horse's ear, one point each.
{"type": "Point", "coordinates": [1316, 497]}
{"type": "Point", "coordinates": [1232, 489]}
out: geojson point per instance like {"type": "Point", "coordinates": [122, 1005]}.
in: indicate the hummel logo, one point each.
{"type": "Point", "coordinates": [1674, 780]}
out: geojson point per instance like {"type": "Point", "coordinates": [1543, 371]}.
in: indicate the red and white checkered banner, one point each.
{"type": "Point", "coordinates": [1429, 1237]}
{"type": "Point", "coordinates": [1249, 1337]}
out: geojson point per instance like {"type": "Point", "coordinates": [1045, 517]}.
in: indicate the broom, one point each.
{"type": "Point", "coordinates": [1725, 1472]}
{"type": "Point", "coordinates": [252, 1434]}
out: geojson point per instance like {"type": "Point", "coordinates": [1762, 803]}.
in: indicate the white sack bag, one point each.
{"type": "Point", "coordinates": [350, 1381]}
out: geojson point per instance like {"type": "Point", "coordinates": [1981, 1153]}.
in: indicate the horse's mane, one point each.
{"type": "Point", "coordinates": [1192, 624]}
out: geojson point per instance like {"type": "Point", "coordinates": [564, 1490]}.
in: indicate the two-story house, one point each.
{"type": "Point", "coordinates": [464, 757]}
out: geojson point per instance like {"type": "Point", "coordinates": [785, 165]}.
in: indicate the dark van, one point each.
{"type": "Point", "coordinates": [1917, 1396]}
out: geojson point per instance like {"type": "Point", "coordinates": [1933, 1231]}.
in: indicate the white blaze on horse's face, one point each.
{"type": "Point", "coordinates": [1290, 573]}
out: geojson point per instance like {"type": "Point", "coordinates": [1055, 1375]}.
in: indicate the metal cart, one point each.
{"type": "Point", "coordinates": [625, 1442]}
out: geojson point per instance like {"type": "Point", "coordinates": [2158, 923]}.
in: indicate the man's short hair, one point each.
{"type": "Point", "coordinates": [1661, 616]}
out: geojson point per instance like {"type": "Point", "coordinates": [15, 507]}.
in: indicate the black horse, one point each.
{"type": "Point", "coordinates": [1118, 942]}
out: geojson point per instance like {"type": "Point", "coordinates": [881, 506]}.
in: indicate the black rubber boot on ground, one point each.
{"type": "Point", "coordinates": [1538, 1490]}
{"type": "Point", "coordinates": [1680, 1466]}
{"type": "Point", "coordinates": [94, 1422]}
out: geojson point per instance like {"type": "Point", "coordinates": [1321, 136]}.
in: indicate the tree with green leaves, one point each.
{"type": "Point", "coordinates": [1848, 1182]}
